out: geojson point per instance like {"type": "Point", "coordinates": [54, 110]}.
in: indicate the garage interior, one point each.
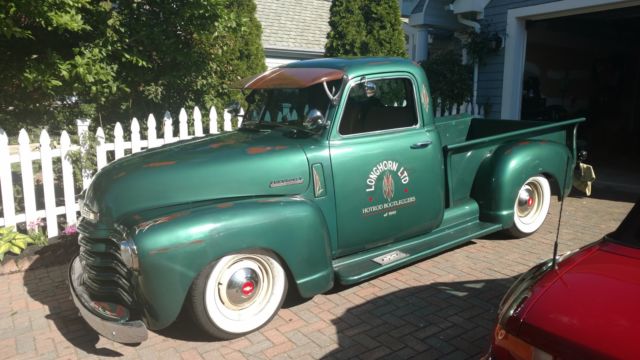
{"type": "Point", "coordinates": [588, 65]}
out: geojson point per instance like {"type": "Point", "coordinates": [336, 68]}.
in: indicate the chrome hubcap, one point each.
{"type": "Point", "coordinates": [528, 205]}
{"type": "Point", "coordinates": [241, 289]}
{"type": "Point", "coordinates": [244, 291]}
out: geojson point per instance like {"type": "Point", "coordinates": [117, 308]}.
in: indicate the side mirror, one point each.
{"type": "Point", "coordinates": [370, 88]}
{"type": "Point", "coordinates": [314, 119]}
{"type": "Point", "coordinates": [234, 108]}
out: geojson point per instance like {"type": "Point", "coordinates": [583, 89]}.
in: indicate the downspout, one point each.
{"type": "Point", "coordinates": [476, 28]}
{"type": "Point", "coordinates": [473, 24]}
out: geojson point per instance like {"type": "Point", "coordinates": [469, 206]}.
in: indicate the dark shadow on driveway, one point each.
{"type": "Point", "coordinates": [49, 286]}
{"type": "Point", "coordinates": [607, 192]}
{"type": "Point", "coordinates": [425, 322]}
{"type": "Point", "coordinates": [185, 329]}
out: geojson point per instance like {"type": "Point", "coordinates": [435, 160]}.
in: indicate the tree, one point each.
{"type": "Point", "coordinates": [193, 50]}
{"type": "Point", "coordinates": [365, 28]}
{"type": "Point", "coordinates": [112, 60]}
{"type": "Point", "coordinates": [51, 56]}
{"type": "Point", "coordinates": [347, 28]}
{"type": "Point", "coordinates": [384, 29]}
{"type": "Point", "coordinates": [249, 57]}
{"type": "Point", "coordinates": [242, 54]}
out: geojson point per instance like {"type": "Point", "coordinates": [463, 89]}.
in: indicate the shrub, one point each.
{"type": "Point", "coordinates": [12, 241]}
{"type": "Point", "coordinates": [449, 79]}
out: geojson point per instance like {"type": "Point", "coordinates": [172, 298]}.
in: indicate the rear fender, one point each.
{"type": "Point", "coordinates": [501, 175]}
{"type": "Point", "coordinates": [172, 252]}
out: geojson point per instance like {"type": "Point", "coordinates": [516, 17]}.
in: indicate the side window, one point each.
{"type": "Point", "coordinates": [376, 105]}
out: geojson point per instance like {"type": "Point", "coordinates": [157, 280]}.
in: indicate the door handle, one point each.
{"type": "Point", "coordinates": [421, 145]}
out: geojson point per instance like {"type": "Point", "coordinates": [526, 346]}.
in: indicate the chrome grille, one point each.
{"type": "Point", "coordinates": [106, 278]}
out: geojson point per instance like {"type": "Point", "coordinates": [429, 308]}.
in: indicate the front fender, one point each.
{"type": "Point", "coordinates": [174, 248]}
{"type": "Point", "coordinates": [501, 175]}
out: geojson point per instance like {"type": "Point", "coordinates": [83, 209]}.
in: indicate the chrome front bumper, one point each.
{"type": "Point", "coordinates": [117, 329]}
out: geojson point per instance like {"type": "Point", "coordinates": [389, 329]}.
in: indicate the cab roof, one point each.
{"type": "Point", "coordinates": [305, 73]}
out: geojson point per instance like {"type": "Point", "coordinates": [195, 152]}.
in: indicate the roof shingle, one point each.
{"type": "Point", "coordinates": [294, 24]}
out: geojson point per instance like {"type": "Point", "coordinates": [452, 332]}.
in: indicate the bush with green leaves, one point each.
{"type": "Point", "coordinates": [449, 79]}
{"type": "Point", "coordinates": [12, 241]}
{"type": "Point", "coordinates": [481, 45]}
{"type": "Point", "coordinates": [111, 60]}
{"type": "Point", "coordinates": [365, 28]}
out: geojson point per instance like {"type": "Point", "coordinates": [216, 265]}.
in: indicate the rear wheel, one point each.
{"type": "Point", "coordinates": [531, 206]}
{"type": "Point", "coordinates": [238, 294]}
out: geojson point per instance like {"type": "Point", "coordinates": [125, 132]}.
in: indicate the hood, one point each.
{"type": "Point", "coordinates": [229, 165]}
{"type": "Point", "coordinates": [591, 310]}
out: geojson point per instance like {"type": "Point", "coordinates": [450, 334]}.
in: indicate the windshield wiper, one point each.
{"type": "Point", "coordinates": [272, 124]}
{"type": "Point", "coordinates": [254, 126]}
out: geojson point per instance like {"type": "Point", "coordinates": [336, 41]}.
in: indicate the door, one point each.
{"type": "Point", "coordinates": [388, 178]}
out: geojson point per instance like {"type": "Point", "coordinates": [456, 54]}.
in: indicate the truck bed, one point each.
{"type": "Point", "coordinates": [460, 129]}
{"type": "Point", "coordinates": [466, 141]}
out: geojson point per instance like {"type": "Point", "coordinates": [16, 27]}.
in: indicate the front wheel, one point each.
{"type": "Point", "coordinates": [238, 294]}
{"type": "Point", "coordinates": [531, 206]}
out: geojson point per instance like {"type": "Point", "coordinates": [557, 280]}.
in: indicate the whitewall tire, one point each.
{"type": "Point", "coordinates": [238, 294]}
{"type": "Point", "coordinates": [531, 206]}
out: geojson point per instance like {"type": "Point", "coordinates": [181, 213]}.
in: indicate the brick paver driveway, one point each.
{"type": "Point", "coordinates": [442, 307]}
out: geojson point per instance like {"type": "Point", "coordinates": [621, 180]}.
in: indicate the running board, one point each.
{"type": "Point", "coordinates": [361, 266]}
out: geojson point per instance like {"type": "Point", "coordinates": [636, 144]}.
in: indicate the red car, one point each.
{"type": "Point", "coordinates": [585, 307]}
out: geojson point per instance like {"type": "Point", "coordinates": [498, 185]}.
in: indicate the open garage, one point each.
{"type": "Point", "coordinates": [588, 65]}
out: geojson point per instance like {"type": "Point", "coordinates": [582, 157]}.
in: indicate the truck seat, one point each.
{"type": "Point", "coordinates": [350, 118]}
{"type": "Point", "coordinates": [388, 117]}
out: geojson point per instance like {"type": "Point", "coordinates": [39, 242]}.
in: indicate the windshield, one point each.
{"type": "Point", "coordinates": [287, 107]}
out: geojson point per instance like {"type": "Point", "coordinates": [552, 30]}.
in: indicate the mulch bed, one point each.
{"type": "Point", "coordinates": [59, 251]}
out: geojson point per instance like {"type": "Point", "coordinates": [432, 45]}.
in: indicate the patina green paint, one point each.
{"type": "Point", "coordinates": [470, 142]}
{"type": "Point", "coordinates": [188, 204]}
{"type": "Point", "coordinates": [174, 247]}
{"type": "Point", "coordinates": [500, 176]}
{"type": "Point", "coordinates": [231, 165]}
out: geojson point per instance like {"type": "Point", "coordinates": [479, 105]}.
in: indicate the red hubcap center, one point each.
{"type": "Point", "coordinates": [247, 288]}
{"type": "Point", "coordinates": [529, 201]}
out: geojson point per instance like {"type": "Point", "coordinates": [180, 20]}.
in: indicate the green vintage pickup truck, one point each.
{"type": "Point", "coordinates": [339, 173]}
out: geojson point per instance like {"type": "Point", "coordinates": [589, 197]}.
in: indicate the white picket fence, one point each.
{"type": "Point", "coordinates": [467, 107]}
{"type": "Point", "coordinates": [60, 199]}
{"type": "Point", "coordinates": [120, 147]}
{"type": "Point", "coordinates": [25, 157]}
